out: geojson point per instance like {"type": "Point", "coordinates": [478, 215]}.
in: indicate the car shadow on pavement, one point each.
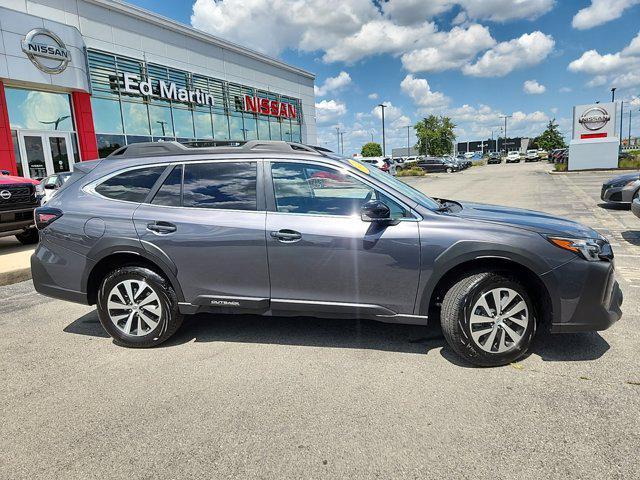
{"type": "Point", "coordinates": [614, 206]}
{"type": "Point", "coordinates": [632, 236]}
{"type": "Point", "coordinates": [342, 333]}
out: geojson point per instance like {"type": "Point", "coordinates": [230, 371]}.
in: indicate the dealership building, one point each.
{"type": "Point", "coordinates": [80, 78]}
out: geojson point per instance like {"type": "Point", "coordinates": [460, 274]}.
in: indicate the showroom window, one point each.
{"type": "Point", "coordinates": [122, 117]}
{"type": "Point", "coordinates": [34, 110]}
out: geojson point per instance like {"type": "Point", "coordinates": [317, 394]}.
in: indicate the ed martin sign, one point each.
{"type": "Point", "coordinates": [265, 106]}
{"type": "Point", "coordinates": [166, 90]}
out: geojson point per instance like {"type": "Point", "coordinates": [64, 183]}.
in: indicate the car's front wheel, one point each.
{"type": "Point", "coordinates": [138, 307]}
{"type": "Point", "coordinates": [488, 318]}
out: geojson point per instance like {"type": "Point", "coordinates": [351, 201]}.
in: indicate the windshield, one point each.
{"type": "Point", "coordinates": [408, 191]}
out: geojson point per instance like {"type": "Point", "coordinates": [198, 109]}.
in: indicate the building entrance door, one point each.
{"type": "Point", "coordinates": [45, 153]}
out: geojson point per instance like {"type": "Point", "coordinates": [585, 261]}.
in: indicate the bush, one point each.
{"type": "Point", "coordinates": [560, 167]}
{"type": "Point", "coordinates": [478, 163]}
{"type": "Point", "coordinates": [410, 172]}
{"type": "Point", "coordinates": [629, 163]}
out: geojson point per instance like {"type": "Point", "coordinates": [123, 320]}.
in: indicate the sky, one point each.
{"type": "Point", "coordinates": [473, 60]}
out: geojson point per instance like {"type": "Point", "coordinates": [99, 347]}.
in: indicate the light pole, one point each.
{"type": "Point", "coordinates": [384, 149]}
{"type": "Point", "coordinates": [621, 115]}
{"type": "Point", "coordinates": [408, 152]}
{"type": "Point", "coordinates": [342, 143]}
{"type": "Point", "coordinates": [338, 136]}
{"type": "Point", "coordinates": [613, 94]}
{"type": "Point", "coordinates": [505, 131]}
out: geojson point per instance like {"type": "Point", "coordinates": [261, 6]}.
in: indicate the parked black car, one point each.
{"type": "Point", "coordinates": [494, 157]}
{"type": "Point", "coordinates": [435, 164]}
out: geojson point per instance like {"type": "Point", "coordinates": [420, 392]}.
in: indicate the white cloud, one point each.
{"type": "Point", "coordinates": [350, 30]}
{"type": "Point", "coordinates": [525, 51]}
{"type": "Point", "coordinates": [565, 89]}
{"type": "Point", "coordinates": [420, 91]}
{"type": "Point", "coordinates": [532, 87]}
{"type": "Point", "coordinates": [505, 10]}
{"type": "Point", "coordinates": [329, 110]}
{"type": "Point", "coordinates": [372, 96]}
{"type": "Point", "coordinates": [619, 69]}
{"type": "Point", "coordinates": [333, 84]}
{"type": "Point", "coordinates": [393, 116]}
{"type": "Point", "coordinates": [449, 50]}
{"type": "Point", "coordinates": [600, 12]}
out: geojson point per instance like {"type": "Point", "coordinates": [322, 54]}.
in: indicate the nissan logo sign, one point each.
{"type": "Point", "coordinates": [594, 119]}
{"type": "Point", "coordinates": [46, 50]}
{"type": "Point", "coordinates": [5, 194]}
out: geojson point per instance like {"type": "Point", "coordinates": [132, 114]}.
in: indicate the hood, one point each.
{"type": "Point", "coordinates": [11, 180]}
{"type": "Point", "coordinates": [527, 219]}
{"type": "Point", "coordinates": [625, 177]}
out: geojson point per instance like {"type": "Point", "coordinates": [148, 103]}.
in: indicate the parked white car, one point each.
{"type": "Point", "coordinates": [513, 157]}
{"type": "Point", "coordinates": [386, 164]}
{"type": "Point", "coordinates": [51, 184]}
{"type": "Point", "coordinates": [531, 156]}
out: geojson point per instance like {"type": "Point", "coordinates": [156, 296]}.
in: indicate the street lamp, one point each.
{"type": "Point", "coordinates": [162, 124]}
{"type": "Point", "coordinates": [384, 149]}
{"type": "Point", "coordinates": [55, 122]}
{"type": "Point", "coordinates": [613, 94]}
{"type": "Point", "coordinates": [408, 127]}
{"type": "Point", "coordinates": [338, 136]}
{"type": "Point", "coordinates": [505, 130]}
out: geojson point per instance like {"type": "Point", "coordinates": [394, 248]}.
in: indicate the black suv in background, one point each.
{"type": "Point", "coordinates": [18, 199]}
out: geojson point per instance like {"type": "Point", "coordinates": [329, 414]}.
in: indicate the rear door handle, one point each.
{"type": "Point", "coordinates": [286, 236]}
{"type": "Point", "coordinates": [161, 228]}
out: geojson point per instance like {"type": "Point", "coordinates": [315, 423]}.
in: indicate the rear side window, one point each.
{"type": "Point", "coordinates": [221, 185]}
{"type": "Point", "coordinates": [131, 186]}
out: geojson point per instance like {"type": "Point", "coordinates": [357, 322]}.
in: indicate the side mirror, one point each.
{"type": "Point", "coordinates": [50, 186]}
{"type": "Point", "coordinates": [375, 211]}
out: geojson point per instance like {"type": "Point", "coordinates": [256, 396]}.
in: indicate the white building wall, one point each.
{"type": "Point", "coordinates": [124, 29]}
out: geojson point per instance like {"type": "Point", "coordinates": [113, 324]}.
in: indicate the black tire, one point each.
{"type": "Point", "coordinates": [455, 318]}
{"type": "Point", "coordinates": [28, 237]}
{"type": "Point", "coordinates": [449, 170]}
{"type": "Point", "coordinates": [168, 322]}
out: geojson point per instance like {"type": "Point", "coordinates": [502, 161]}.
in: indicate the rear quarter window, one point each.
{"type": "Point", "coordinates": [132, 185]}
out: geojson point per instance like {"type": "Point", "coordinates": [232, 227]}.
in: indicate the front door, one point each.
{"type": "Point", "coordinates": [45, 153]}
{"type": "Point", "coordinates": [323, 257]}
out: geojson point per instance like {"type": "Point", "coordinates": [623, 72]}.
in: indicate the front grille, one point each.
{"type": "Point", "coordinates": [616, 197]}
{"type": "Point", "coordinates": [20, 195]}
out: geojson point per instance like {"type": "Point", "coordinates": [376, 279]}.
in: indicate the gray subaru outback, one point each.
{"type": "Point", "coordinates": [158, 231]}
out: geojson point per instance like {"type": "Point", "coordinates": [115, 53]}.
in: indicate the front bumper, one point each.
{"type": "Point", "coordinates": [589, 297]}
{"type": "Point", "coordinates": [623, 194]}
{"type": "Point", "coordinates": [16, 219]}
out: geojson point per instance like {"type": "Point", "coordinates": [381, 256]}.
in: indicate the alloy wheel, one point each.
{"type": "Point", "coordinates": [499, 320]}
{"type": "Point", "coordinates": [134, 307]}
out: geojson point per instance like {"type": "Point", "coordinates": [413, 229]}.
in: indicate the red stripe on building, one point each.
{"type": "Point", "coordinates": [84, 126]}
{"type": "Point", "coordinates": [593, 135]}
{"type": "Point", "coordinates": [7, 155]}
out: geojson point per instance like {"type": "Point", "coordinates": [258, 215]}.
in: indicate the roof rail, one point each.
{"type": "Point", "coordinates": [157, 149]}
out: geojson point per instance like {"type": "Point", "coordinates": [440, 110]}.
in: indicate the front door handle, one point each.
{"type": "Point", "coordinates": [161, 228]}
{"type": "Point", "coordinates": [286, 236]}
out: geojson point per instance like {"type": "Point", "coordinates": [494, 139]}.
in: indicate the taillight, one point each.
{"type": "Point", "coordinates": [45, 216]}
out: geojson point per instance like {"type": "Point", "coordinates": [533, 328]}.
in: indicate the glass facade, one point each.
{"type": "Point", "coordinates": [121, 118]}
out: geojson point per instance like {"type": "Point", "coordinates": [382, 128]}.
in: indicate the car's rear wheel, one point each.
{"type": "Point", "coordinates": [449, 170]}
{"type": "Point", "coordinates": [488, 318]}
{"type": "Point", "coordinates": [28, 237]}
{"type": "Point", "coordinates": [138, 307]}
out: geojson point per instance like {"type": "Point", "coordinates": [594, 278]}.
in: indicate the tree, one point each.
{"type": "Point", "coordinates": [550, 138]}
{"type": "Point", "coordinates": [435, 135]}
{"type": "Point", "coordinates": [371, 149]}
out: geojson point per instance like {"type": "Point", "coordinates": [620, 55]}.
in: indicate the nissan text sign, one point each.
{"type": "Point", "coordinates": [594, 121]}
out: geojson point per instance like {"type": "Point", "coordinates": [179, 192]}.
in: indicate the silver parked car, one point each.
{"type": "Point", "coordinates": [160, 230]}
{"type": "Point", "coordinates": [622, 189]}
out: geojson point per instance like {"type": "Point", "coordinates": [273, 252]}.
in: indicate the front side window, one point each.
{"type": "Point", "coordinates": [132, 185]}
{"type": "Point", "coordinates": [313, 189]}
{"type": "Point", "coordinates": [220, 185]}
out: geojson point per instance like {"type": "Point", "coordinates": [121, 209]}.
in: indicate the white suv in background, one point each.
{"type": "Point", "coordinates": [513, 156]}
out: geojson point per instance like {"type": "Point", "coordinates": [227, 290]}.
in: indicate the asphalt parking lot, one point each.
{"type": "Point", "coordinates": [249, 397]}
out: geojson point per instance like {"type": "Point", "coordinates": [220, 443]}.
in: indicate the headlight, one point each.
{"type": "Point", "coordinates": [623, 183]}
{"type": "Point", "coordinates": [591, 249]}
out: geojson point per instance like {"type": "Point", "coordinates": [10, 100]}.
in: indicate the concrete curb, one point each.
{"type": "Point", "coordinates": [15, 276]}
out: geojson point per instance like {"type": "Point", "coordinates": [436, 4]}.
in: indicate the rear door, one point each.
{"type": "Point", "coordinates": [208, 218]}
